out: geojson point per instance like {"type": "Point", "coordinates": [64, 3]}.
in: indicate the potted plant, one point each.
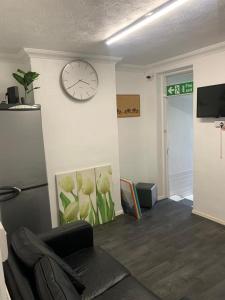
{"type": "Point", "coordinates": [26, 79]}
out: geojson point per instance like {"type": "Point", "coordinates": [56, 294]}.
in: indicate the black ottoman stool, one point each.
{"type": "Point", "coordinates": [147, 194]}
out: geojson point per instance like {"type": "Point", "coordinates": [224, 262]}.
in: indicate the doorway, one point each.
{"type": "Point", "coordinates": [179, 136]}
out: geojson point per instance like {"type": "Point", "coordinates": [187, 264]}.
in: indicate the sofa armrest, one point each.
{"type": "Point", "coordinates": [69, 238]}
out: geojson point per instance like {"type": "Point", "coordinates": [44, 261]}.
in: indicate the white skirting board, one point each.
{"type": "Point", "coordinates": [211, 218]}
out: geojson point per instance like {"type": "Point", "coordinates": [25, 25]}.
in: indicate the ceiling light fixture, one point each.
{"type": "Point", "coordinates": [146, 19]}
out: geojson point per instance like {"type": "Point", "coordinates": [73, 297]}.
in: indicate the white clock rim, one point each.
{"type": "Point", "coordinates": [64, 88]}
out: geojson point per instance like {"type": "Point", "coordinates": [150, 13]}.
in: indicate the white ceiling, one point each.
{"type": "Point", "coordinates": [83, 25]}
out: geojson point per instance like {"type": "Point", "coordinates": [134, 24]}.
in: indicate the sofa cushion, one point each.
{"type": "Point", "coordinates": [29, 248]}
{"type": "Point", "coordinates": [128, 289]}
{"type": "Point", "coordinates": [98, 270]}
{"type": "Point", "coordinates": [52, 283]}
{"type": "Point", "coordinates": [19, 278]}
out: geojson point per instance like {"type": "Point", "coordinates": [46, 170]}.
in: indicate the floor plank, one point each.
{"type": "Point", "coordinates": [171, 251]}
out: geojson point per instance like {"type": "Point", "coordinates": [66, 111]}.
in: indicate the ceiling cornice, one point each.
{"type": "Point", "coordinates": [130, 68]}
{"type": "Point", "coordinates": [20, 55]}
{"type": "Point", "coordinates": [63, 55]}
{"type": "Point", "coordinates": [188, 56]}
{"type": "Point", "coordinates": [184, 58]}
{"type": "Point", "coordinates": [27, 53]}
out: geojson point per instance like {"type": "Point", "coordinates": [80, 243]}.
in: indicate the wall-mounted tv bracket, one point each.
{"type": "Point", "coordinates": [221, 125]}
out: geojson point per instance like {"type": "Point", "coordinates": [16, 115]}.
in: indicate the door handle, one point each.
{"type": "Point", "coordinates": [8, 192]}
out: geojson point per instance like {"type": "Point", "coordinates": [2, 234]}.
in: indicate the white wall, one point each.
{"type": "Point", "coordinates": [137, 135]}
{"type": "Point", "coordinates": [77, 135]}
{"type": "Point", "coordinates": [180, 138]}
{"type": "Point", "coordinates": [3, 290]}
{"type": "Point", "coordinates": [3, 257]}
{"type": "Point", "coordinates": [209, 169]}
{"type": "Point", "coordinates": [7, 67]}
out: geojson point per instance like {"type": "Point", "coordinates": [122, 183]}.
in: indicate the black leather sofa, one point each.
{"type": "Point", "coordinates": [103, 276]}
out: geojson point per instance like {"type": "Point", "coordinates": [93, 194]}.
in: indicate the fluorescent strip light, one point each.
{"type": "Point", "coordinates": [146, 19]}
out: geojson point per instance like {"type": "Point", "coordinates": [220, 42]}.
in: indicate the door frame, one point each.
{"type": "Point", "coordinates": [164, 124]}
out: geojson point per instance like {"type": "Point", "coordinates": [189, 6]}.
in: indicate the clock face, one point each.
{"type": "Point", "coordinates": [80, 80]}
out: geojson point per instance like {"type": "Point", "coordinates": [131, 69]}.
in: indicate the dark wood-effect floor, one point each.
{"type": "Point", "coordinates": [170, 251]}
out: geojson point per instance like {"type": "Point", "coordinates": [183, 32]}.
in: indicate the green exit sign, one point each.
{"type": "Point", "coordinates": [183, 88]}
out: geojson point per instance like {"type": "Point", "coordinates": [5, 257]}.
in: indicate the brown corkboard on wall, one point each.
{"type": "Point", "coordinates": [128, 106]}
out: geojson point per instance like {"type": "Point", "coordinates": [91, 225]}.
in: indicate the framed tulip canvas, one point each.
{"type": "Point", "coordinates": [86, 195]}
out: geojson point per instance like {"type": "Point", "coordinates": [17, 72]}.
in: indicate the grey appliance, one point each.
{"type": "Point", "coordinates": [24, 199]}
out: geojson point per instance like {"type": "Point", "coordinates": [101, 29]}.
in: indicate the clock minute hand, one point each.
{"type": "Point", "coordinates": [73, 84]}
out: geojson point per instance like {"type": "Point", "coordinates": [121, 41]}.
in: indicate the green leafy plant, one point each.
{"type": "Point", "coordinates": [26, 79]}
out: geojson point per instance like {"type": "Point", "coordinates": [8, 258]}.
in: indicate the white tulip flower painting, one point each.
{"type": "Point", "coordinates": [86, 195]}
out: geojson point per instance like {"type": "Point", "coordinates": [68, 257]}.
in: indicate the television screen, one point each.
{"type": "Point", "coordinates": [211, 101]}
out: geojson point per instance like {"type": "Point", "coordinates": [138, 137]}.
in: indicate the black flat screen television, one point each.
{"type": "Point", "coordinates": [211, 101]}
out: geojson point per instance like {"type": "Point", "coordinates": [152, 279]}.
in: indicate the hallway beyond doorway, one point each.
{"type": "Point", "coordinates": [179, 136]}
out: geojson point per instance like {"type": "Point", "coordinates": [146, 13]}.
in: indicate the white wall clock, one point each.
{"type": "Point", "coordinates": [80, 80]}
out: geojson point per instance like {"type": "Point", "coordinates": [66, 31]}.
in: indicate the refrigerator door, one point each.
{"type": "Point", "coordinates": [22, 159]}
{"type": "Point", "coordinates": [29, 208]}
{"type": "Point", "coordinates": [24, 199]}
